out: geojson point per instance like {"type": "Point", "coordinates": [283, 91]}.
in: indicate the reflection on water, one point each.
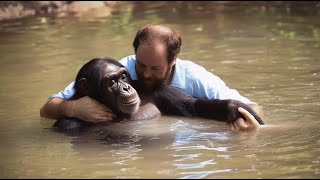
{"type": "Point", "coordinates": [268, 52]}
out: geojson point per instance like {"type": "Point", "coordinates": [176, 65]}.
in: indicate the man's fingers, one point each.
{"type": "Point", "coordinates": [235, 125]}
{"type": "Point", "coordinates": [248, 116]}
{"type": "Point", "coordinates": [231, 127]}
{"type": "Point", "coordinates": [113, 115]}
{"type": "Point", "coordinates": [103, 117]}
{"type": "Point", "coordinates": [249, 123]}
{"type": "Point", "coordinates": [238, 125]}
{"type": "Point", "coordinates": [241, 124]}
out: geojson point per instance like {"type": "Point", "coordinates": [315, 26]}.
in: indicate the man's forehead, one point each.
{"type": "Point", "coordinates": [155, 55]}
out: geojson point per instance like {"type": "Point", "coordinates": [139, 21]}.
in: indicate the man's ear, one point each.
{"type": "Point", "coordinates": [83, 86]}
{"type": "Point", "coordinates": [174, 61]}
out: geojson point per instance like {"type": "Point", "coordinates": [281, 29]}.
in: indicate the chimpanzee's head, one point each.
{"type": "Point", "coordinates": [107, 81]}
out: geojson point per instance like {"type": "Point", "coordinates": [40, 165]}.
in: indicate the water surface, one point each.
{"type": "Point", "coordinates": [270, 54]}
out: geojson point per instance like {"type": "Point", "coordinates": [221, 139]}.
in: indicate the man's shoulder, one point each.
{"type": "Point", "coordinates": [189, 66]}
{"type": "Point", "coordinates": [194, 72]}
{"type": "Point", "coordinates": [128, 60]}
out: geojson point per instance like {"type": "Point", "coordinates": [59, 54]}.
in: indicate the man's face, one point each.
{"type": "Point", "coordinates": [152, 66]}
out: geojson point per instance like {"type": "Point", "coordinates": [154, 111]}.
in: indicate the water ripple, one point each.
{"type": "Point", "coordinates": [201, 147]}
{"type": "Point", "coordinates": [202, 174]}
{"type": "Point", "coordinates": [195, 165]}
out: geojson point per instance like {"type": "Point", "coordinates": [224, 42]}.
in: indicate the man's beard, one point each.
{"type": "Point", "coordinates": [151, 85]}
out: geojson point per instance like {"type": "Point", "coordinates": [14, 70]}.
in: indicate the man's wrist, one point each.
{"type": "Point", "coordinates": [66, 108]}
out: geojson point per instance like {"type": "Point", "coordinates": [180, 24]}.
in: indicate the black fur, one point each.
{"type": "Point", "coordinates": [172, 101]}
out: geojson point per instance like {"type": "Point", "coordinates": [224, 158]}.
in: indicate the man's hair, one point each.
{"type": "Point", "coordinates": [151, 34]}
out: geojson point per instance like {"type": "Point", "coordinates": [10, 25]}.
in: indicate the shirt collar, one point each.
{"type": "Point", "coordinates": [179, 75]}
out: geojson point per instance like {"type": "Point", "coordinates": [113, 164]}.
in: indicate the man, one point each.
{"type": "Point", "coordinates": [155, 61]}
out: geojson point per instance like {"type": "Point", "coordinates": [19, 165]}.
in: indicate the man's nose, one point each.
{"type": "Point", "coordinates": [147, 73]}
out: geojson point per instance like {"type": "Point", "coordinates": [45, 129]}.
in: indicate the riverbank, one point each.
{"type": "Point", "coordinates": [20, 9]}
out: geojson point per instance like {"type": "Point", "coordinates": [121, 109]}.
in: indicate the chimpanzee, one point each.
{"type": "Point", "coordinates": [108, 81]}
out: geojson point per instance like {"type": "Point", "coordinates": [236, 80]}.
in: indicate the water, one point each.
{"type": "Point", "coordinates": [270, 54]}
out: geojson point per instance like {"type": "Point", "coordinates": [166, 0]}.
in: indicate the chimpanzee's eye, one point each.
{"type": "Point", "coordinates": [113, 81]}
{"type": "Point", "coordinates": [124, 76]}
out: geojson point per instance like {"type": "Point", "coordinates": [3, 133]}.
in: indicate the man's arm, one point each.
{"type": "Point", "coordinates": [84, 108]}
{"type": "Point", "coordinates": [53, 109]}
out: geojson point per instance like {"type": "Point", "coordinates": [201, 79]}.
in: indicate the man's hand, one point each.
{"type": "Point", "coordinates": [88, 110]}
{"type": "Point", "coordinates": [250, 123]}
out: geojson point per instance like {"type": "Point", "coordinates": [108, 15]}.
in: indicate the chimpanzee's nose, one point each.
{"type": "Point", "coordinates": [126, 87]}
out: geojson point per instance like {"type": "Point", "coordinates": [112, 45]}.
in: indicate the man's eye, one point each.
{"type": "Point", "coordinates": [140, 64]}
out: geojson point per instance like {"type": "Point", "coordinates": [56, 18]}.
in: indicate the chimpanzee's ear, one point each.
{"type": "Point", "coordinates": [83, 86]}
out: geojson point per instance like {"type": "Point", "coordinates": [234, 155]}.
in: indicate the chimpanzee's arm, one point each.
{"type": "Point", "coordinates": [223, 110]}
{"type": "Point", "coordinates": [172, 101]}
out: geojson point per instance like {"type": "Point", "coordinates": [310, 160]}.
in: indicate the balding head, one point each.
{"type": "Point", "coordinates": [152, 35]}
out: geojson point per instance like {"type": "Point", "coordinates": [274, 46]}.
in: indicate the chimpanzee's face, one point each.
{"type": "Point", "coordinates": [108, 82]}
{"type": "Point", "coordinates": [116, 90]}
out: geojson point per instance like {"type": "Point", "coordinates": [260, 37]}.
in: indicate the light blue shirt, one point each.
{"type": "Point", "coordinates": [188, 76]}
